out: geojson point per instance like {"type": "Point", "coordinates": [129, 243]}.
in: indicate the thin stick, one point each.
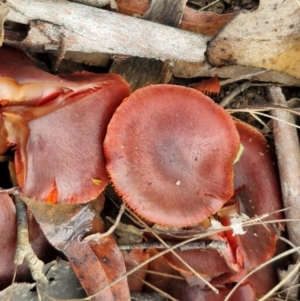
{"type": "Point", "coordinates": [214, 244]}
{"type": "Point", "coordinates": [245, 76]}
{"type": "Point", "coordinates": [209, 5]}
{"type": "Point", "coordinates": [14, 190]}
{"type": "Point", "coordinates": [163, 274]}
{"type": "Point", "coordinates": [277, 119]}
{"type": "Point", "coordinates": [264, 109]}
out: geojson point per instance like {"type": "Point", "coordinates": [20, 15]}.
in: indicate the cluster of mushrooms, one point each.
{"type": "Point", "coordinates": [169, 151]}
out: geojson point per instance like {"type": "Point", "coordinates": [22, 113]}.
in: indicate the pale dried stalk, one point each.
{"type": "Point", "coordinates": [288, 156]}
{"type": "Point", "coordinates": [24, 249]}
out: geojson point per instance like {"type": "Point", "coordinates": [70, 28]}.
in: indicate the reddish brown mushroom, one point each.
{"type": "Point", "coordinates": [57, 127]}
{"type": "Point", "coordinates": [209, 87]}
{"type": "Point", "coordinates": [170, 153]}
{"type": "Point", "coordinates": [182, 291]}
{"type": "Point", "coordinates": [257, 192]}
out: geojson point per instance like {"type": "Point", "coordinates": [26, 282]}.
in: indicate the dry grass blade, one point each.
{"type": "Point", "coordinates": [258, 112]}
{"type": "Point", "coordinates": [266, 127]}
{"type": "Point", "coordinates": [278, 119]}
{"type": "Point", "coordinates": [156, 289]}
{"type": "Point", "coordinates": [256, 109]}
{"type": "Point", "coordinates": [209, 5]}
{"type": "Point", "coordinates": [163, 274]}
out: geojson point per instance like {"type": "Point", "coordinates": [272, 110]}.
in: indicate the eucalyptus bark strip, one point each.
{"type": "Point", "coordinates": [140, 72]}
{"type": "Point", "coordinates": [92, 30]}
{"type": "Point", "coordinates": [288, 156]}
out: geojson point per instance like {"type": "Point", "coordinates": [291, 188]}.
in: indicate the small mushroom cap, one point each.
{"type": "Point", "coordinates": [170, 153]}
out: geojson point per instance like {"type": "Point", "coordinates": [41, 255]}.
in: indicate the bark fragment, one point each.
{"type": "Point", "coordinates": [288, 156]}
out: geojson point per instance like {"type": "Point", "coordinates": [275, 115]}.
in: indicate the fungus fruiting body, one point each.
{"type": "Point", "coordinates": [170, 153]}
{"type": "Point", "coordinates": [257, 193]}
{"type": "Point", "coordinates": [56, 125]}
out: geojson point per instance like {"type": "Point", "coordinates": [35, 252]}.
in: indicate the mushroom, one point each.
{"type": "Point", "coordinates": [170, 153]}
{"type": "Point", "coordinates": [210, 86]}
{"type": "Point", "coordinates": [181, 290]}
{"type": "Point", "coordinates": [257, 193]}
{"type": "Point", "coordinates": [257, 186]}
{"type": "Point", "coordinates": [56, 125]}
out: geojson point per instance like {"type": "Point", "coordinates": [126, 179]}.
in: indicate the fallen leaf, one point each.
{"type": "Point", "coordinates": [204, 22]}
{"type": "Point", "coordinates": [63, 284]}
{"type": "Point", "coordinates": [96, 264]}
{"type": "Point", "coordinates": [267, 37]}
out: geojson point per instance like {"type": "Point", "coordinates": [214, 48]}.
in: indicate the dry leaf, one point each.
{"type": "Point", "coordinates": [268, 37]}
{"type": "Point", "coordinates": [63, 284]}
{"type": "Point", "coordinates": [96, 264]}
{"type": "Point", "coordinates": [204, 22]}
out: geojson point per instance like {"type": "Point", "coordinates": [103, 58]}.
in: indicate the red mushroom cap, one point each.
{"type": "Point", "coordinates": [64, 151]}
{"type": "Point", "coordinates": [170, 153]}
{"type": "Point", "coordinates": [56, 125]}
